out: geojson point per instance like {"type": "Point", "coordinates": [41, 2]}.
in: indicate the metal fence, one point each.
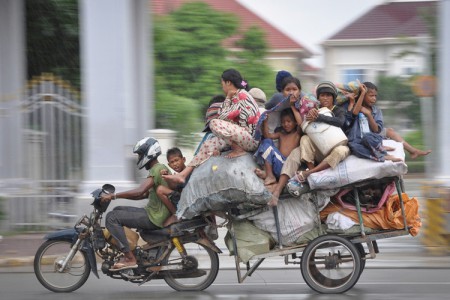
{"type": "Point", "coordinates": [52, 136]}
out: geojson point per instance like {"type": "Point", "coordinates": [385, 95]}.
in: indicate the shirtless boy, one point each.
{"type": "Point", "coordinates": [288, 139]}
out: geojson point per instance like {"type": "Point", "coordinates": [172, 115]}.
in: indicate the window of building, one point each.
{"type": "Point", "coordinates": [353, 75]}
{"type": "Point", "coordinates": [408, 71]}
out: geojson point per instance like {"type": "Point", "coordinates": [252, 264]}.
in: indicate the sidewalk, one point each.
{"type": "Point", "coordinates": [19, 250]}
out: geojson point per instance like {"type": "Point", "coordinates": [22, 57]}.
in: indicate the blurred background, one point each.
{"type": "Point", "coordinates": [81, 81]}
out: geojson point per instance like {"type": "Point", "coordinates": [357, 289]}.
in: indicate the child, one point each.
{"type": "Point", "coordinates": [288, 138]}
{"type": "Point", "coordinates": [326, 93]}
{"type": "Point", "coordinates": [212, 112]}
{"type": "Point", "coordinates": [363, 125]}
{"type": "Point", "coordinates": [170, 195]}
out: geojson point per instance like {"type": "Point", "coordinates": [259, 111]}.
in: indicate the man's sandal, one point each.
{"type": "Point", "coordinates": [122, 266]}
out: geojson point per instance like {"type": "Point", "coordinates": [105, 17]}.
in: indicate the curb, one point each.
{"type": "Point", "coordinates": [16, 262]}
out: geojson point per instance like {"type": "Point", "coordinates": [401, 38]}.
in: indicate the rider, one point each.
{"type": "Point", "coordinates": [152, 216]}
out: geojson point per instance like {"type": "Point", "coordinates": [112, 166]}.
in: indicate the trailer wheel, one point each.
{"type": "Point", "coordinates": [331, 264]}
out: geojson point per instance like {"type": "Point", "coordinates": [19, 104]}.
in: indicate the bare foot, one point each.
{"type": "Point", "coordinates": [260, 173]}
{"type": "Point", "coordinates": [270, 179]}
{"type": "Point", "coordinates": [174, 179]}
{"type": "Point", "coordinates": [418, 153]}
{"type": "Point", "coordinates": [236, 153]}
{"type": "Point", "coordinates": [392, 158]}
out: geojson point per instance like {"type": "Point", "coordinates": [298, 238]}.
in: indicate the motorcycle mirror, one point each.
{"type": "Point", "coordinates": [108, 188]}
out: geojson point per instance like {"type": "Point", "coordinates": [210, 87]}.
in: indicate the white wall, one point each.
{"type": "Point", "coordinates": [375, 57]}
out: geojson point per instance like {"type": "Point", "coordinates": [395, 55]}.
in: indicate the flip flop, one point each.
{"type": "Point", "coordinates": [122, 266]}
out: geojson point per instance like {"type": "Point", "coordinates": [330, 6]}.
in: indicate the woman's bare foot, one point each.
{"type": "Point", "coordinates": [416, 153]}
{"type": "Point", "coordinates": [260, 173]}
{"type": "Point", "coordinates": [392, 158]}
{"type": "Point", "coordinates": [236, 153]}
{"type": "Point", "coordinates": [174, 179]}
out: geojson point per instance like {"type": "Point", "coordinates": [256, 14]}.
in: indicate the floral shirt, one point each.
{"type": "Point", "coordinates": [242, 110]}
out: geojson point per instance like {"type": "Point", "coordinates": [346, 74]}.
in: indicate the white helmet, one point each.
{"type": "Point", "coordinates": [147, 149]}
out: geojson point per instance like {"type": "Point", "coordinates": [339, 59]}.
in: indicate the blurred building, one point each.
{"type": "Point", "coordinates": [391, 39]}
{"type": "Point", "coordinates": [283, 54]}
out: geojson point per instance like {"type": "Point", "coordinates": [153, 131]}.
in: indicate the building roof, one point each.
{"type": "Point", "coordinates": [276, 39]}
{"type": "Point", "coordinates": [388, 20]}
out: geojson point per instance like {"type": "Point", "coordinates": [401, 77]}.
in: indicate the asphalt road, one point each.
{"type": "Point", "coordinates": [391, 283]}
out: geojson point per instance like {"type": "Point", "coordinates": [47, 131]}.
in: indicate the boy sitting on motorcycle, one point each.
{"type": "Point", "coordinates": [152, 216]}
{"type": "Point", "coordinates": [170, 195]}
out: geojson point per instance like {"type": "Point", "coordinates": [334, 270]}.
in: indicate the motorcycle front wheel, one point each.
{"type": "Point", "coordinates": [199, 269]}
{"type": "Point", "coordinates": [47, 264]}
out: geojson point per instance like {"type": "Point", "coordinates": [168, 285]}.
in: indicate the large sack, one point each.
{"type": "Point", "coordinates": [354, 169]}
{"type": "Point", "coordinates": [221, 183]}
{"type": "Point", "coordinates": [297, 216]}
{"type": "Point", "coordinates": [324, 136]}
{"type": "Point", "coordinates": [250, 240]}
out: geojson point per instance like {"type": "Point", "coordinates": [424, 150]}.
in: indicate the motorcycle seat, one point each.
{"type": "Point", "coordinates": [154, 236]}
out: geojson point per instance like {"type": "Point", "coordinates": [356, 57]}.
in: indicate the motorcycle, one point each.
{"type": "Point", "coordinates": [183, 254]}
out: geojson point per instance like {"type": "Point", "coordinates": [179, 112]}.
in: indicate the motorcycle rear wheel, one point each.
{"type": "Point", "coordinates": [52, 253]}
{"type": "Point", "coordinates": [199, 271]}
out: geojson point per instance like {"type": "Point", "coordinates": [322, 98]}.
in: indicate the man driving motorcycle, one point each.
{"type": "Point", "coordinates": [152, 216]}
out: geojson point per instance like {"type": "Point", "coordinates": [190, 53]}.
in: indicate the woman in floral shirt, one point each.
{"type": "Point", "coordinates": [234, 127]}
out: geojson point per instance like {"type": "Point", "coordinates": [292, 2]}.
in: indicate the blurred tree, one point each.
{"type": "Point", "coordinates": [53, 39]}
{"type": "Point", "coordinates": [190, 57]}
{"type": "Point", "coordinates": [251, 60]}
{"type": "Point", "coordinates": [398, 89]}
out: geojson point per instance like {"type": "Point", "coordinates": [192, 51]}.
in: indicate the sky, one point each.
{"type": "Point", "coordinates": [310, 22]}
